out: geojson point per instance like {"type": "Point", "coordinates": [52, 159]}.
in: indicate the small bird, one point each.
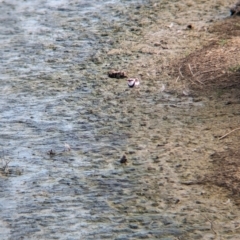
{"type": "Point", "coordinates": [67, 147]}
{"type": "Point", "coordinates": [132, 82]}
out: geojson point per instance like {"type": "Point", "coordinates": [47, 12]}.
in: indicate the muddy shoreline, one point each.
{"type": "Point", "coordinates": [66, 125]}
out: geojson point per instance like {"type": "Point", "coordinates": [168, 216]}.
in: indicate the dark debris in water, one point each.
{"type": "Point", "coordinates": [10, 171]}
{"type": "Point", "coordinates": [51, 153]}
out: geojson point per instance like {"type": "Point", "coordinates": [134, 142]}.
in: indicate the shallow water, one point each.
{"type": "Point", "coordinates": [55, 93]}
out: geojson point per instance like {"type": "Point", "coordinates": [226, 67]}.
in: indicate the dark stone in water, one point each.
{"type": "Point", "coordinates": [123, 159]}
{"type": "Point", "coordinates": [133, 226]}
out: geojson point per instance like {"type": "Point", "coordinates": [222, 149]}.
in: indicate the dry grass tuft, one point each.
{"type": "Point", "coordinates": [211, 65]}
{"type": "Point", "coordinates": [218, 63]}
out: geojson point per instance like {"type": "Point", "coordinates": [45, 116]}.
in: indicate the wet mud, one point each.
{"type": "Point", "coordinates": [65, 127]}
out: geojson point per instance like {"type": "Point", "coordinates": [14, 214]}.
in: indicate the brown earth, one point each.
{"type": "Point", "coordinates": [216, 67]}
{"type": "Point", "coordinates": [198, 59]}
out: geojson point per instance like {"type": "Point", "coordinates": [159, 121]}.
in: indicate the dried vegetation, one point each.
{"type": "Point", "coordinates": [216, 65]}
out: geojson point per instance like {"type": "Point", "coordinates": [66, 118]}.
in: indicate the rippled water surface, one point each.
{"type": "Point", "coordinates": [55, 95]}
